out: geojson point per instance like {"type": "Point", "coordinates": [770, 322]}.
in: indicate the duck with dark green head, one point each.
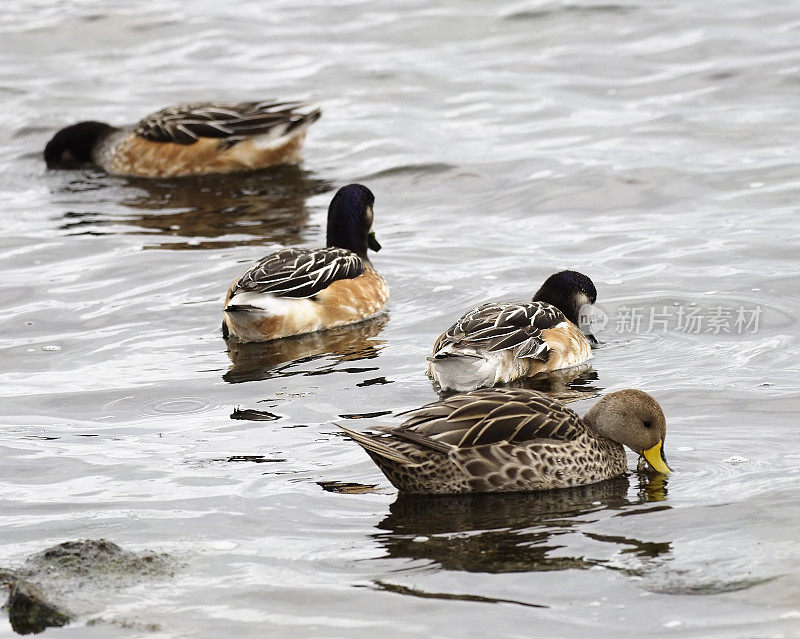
{"type": "Point", "coordinates": [295, 291]}
{"type": "Point", "coordinates": [502, 341]}
{"type": "Point", "coordinates": [189, 139]}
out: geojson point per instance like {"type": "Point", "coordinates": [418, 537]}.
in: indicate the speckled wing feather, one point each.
{"type": "Point", "coordinates": [490, 416]}
{"type": "Point", "coordinates": [503, 326]}
{"type": "Point", "coordinates": [231, 123]}
{"type": "Point", "coordinates": [299, 273]}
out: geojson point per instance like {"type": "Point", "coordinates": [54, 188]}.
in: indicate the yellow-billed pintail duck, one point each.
{"type": "Point", "coordinates": [514, 439]}
{"type": "Point", "coordinates": [500, 342]}
{"type": "Point", "coordinates": [189, 139]}
{"type": "Point", "coordinates": [294, 291]}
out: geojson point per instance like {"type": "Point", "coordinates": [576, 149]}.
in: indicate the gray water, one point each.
{"type": "Point", "coordinates": [651, 145]}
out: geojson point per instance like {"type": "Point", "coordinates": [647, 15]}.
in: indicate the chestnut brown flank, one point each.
{"type": "Point", "coordinates": [346, 301]}
{"type": "Point", "coordinates": [138, 156]}
{"type": "Point", "coordinates": [568, 346]}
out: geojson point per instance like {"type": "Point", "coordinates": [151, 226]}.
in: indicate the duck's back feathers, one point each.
{"type": "Point", "coordinates": [299, 273]}
{"type": "Point", "coordinates": [493, 415]}
{"type": "Point", "coordinates": [501, 326]}
{"type": "Point", "coordinates": [229, 123]}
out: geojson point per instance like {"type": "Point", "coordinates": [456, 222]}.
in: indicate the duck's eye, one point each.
{"type": "Point", "coordinates": [647, 424]}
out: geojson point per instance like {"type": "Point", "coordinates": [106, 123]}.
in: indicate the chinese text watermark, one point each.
{"type": "Point", "coordinates": [739, 319]}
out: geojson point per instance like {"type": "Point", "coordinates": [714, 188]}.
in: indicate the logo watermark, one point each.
{"type": "Point", "coordinates": [688, 318]}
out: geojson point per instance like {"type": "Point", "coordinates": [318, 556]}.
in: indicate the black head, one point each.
{"type": "Point", "coordinates": [567, 291]}
{"type": "Point", "coordinates": [73, 146]}
{"type": "Point", "coordinates": [350, 220]}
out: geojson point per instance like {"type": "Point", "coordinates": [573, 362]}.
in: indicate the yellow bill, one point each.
{"type": "Point", "coordinates": [655, 457]}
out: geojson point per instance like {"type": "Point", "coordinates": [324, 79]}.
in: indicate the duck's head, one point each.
{"type": "Point", "coordinates": [350, 220]}
{"type": "Point", "coordinates": [73, 145]}
{"type": "Point", "coordinates": [634, 419]}
{"type": "Point", "coordinates": [568, 291]}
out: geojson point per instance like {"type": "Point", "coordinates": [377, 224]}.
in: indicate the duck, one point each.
{"type": "Point", "coordinates": [515, 440]}
{"type": "Point", "coordinates": [500, 342]}
{"type": "Point", "coordinates": [295, 291]}
{"type": "Point", "coordinates": [189, 139]}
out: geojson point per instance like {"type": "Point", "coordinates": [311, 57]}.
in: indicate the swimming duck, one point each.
{"type": "Point", "coordinates": [514, 439]}
{"type": "Point", "coordinates": [295, 291]}
{"type": "Point", "coordinates": [189, 139]}
{"type": "Point", "coordinates": [500, 342]}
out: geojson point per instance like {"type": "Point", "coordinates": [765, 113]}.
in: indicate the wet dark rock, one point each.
{"type": "Point", "coordinates": [30, 611]}
{"type": "Point", "coordinates": [125, 624]}
{"type": "Point", "coordinates": [80, 572]}
{"type": "Point", "coordinates": [101, 560]}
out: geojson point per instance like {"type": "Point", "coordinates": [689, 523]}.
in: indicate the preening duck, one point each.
{"type": "Point", "coordinates": [500, 342]}
{"type": "Point", "coordinates": [189, 139]}
{"type": "Point", "coordinates": [295, 291]}
{"type": "Point", "coordinates": [513, 439]}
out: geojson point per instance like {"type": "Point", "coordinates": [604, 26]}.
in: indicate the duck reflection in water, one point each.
{"type": "Point", "coordinates": [286, 357]}
{"type": "Point", "coordinates": [520, 532]}
{"type": "Point", "coordinates": [567, 385]}
{"type": "Point", "coordinates": [213, 211]}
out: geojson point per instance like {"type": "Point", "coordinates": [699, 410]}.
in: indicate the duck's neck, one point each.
{"type": "Point", "coordinates": [597, 424]}
{"type": "Point", "coordinates": [610, 459]}
{"type": "Point", "coordinates": [346, 236]}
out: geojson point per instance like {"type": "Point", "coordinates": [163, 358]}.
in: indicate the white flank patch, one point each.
{"type": "Point", "coordinates": [271, 140]}
{"type": "Point", "coordinates": [302, 310]}
{"type": "Point", "coordinates": [276, 136]}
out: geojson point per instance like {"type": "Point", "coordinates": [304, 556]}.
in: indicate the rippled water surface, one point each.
{"type": "Point", "coordinates": [651, 145]}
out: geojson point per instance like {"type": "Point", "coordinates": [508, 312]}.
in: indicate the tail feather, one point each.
{"type": "Point", "coordinates": [280, 134]}
{"type": "Point", "coordinates": [373, 445]}
{"type": "Point", "coordinates": [242, 308]}
{"type": "Point", "coordinates": [306, 121]}
{"type": "Point", "coordinates": [443, 354]}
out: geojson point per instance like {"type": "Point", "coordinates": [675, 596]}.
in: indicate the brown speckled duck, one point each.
{"type": "Point", "coordinates": [510, 439]}
{"type": "Point", "coordinates": [189, 139]}
{"type": "Point", "coordinates": [295, 291]}
{"type": "Point", "coordinates": [499, 342]}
